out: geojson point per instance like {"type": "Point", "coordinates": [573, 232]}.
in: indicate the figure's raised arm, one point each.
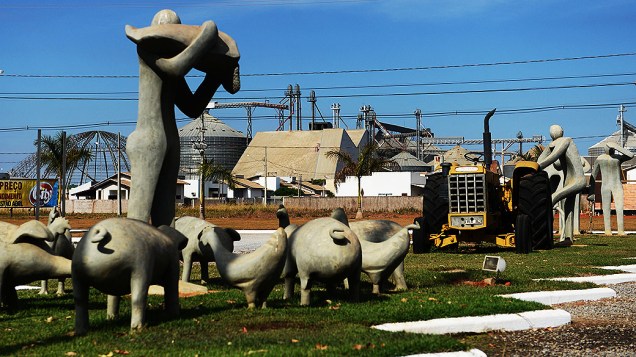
{"type": "Point", "coordinates": [559, 148]}
{"type": "Point", "coordinates": [620, 153]}
{"type": "Point", "coordinates": [193, 104]}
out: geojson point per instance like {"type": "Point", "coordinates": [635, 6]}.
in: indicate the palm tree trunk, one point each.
{"type": "Point", "coordinates": [359, 213]}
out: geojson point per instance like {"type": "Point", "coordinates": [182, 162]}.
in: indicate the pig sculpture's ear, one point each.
{"type": "Point", "coordinates": [236, 236]}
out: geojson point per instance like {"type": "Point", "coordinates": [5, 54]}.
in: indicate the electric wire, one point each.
{"type": "Point", "coordinates": [354, 71]}
{"type": "Point", "coordinates": [340, 96]}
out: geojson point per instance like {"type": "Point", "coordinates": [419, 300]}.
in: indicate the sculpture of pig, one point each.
{"type": "Point", "coordinates": [23, 263]}
{"type": "Point", "coordinates": [379, 259]}
{"type": "Point", "coordinates": [62, 246]}
{"type": "Point", "coordinates": [33, 232]}
{"type": "Point", "coordinates": [255, 273]}
{"type": "Point", "coordinates": [120, 256]}
{"type": "Point", "coordinates": [376, 231]}
{"type": "Point", "coordinates": [192, 228]}
{"type": "Point", "coordinates": [323, 249]}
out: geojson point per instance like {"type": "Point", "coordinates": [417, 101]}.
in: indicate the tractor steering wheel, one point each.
{"type": "Point", "coordinates": [475, 157]}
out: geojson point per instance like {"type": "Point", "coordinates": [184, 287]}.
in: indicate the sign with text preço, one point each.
{"type": "Point", "coordinates": [22, 193]}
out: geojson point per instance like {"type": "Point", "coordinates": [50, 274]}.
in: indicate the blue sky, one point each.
{"type": "Point", "coordinates": [62, 39]}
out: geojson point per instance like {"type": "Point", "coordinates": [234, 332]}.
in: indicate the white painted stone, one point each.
{"type": "Point", "coordinates": [563, 296]}
{"type": "Point", "coordinates": [472, 353]}
{"type": "Point", "coordinates": [600, 279]}
{"type": "Point", "coordinates": [478, 324]}
{"type": "Point", "coordinates": [628, 268]}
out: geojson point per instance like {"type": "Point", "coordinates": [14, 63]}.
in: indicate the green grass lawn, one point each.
{"type": "Point", "coordinates": [220, 324]}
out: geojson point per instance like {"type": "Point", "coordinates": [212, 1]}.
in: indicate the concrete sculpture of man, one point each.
{"type": "Point", "coordinates": [609, 166]}
{"type": "Point", "coordinates": [563, 153]}
{"type": "Point", "coordinates": [167, 51]}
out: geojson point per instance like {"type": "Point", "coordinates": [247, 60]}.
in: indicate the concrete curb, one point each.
{"type": "Point", "coordinates": [563, 296]}
{"type": "Point", "coordinates": [478, 324]}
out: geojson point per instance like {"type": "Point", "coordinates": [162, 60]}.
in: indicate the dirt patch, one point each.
{"type": "Point", "coordinates": [79, 221]}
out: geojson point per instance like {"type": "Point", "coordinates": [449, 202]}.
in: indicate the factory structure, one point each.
{"type": "Point", "coordinates": [295, 158]}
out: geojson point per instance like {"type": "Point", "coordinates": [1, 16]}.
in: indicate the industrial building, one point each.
{"type": "Point", "coordinates": [211, 138]}
{"type": "Point", "coordinates": [297, 155]}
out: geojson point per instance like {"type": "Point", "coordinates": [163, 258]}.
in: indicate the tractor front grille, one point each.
{"type": "Point", "coordinates": [467, 193]}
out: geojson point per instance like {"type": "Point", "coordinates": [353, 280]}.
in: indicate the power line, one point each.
{"type": "Point", "coordinates": [400, 85]}
{"type": "Point", "coordinates": [334, 96]}
{"type": "Point", "coordinates": [229, 3]}
{"type": "Point", "coordinates": [353, 71]}
{"type": "Point", "coordinates": [502, 111]}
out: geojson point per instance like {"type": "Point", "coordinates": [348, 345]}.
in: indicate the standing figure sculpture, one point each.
{"type": "Point", "coordinates": [609, 165]}
{"type": "Point", "coordinates": [167, 51]}
{"type": "Point", "coordinates": [562, 152]}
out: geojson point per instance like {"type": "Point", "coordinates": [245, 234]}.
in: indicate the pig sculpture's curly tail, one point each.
{"type": "Point", "coordinates": [338, 235]}
{"type": "Point", "coordinates": [99, 233]}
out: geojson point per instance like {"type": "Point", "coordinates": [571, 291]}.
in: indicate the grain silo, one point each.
{"type": "Point", "coordinates": [223, 144]}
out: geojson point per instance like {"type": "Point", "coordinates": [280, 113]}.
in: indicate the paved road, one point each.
{"type": "Point", "coordinates": [251, 239]}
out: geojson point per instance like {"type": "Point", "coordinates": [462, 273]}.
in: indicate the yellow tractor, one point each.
{"type": "Point", "coordinates": [478, 203]}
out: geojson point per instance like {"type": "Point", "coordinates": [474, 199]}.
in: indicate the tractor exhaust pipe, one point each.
{"type": "Point", "coordinates": [488, 140]}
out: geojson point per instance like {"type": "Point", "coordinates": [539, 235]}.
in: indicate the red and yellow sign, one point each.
{"type": "Point", "coordinates": [22, 193]}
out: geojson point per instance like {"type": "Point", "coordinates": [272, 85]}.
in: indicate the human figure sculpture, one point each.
{"type": "Point", "coordinates": [562, 152]}
{"type": "Point", "coordinates": [167, 51]}
{"type": "Point", "coordinates": [608, 165]}
{"type": "Point", "coordinates": [556, 180]}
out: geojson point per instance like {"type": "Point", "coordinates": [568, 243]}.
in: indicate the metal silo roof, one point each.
{"type": "Point", "coordinates": [213, 127]}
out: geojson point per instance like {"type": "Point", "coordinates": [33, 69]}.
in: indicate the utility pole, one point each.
{"type": "Point", "coordinates": [200, 146]}
{"type": "Point", "coordinates": [119, 174]}
{"type": "Point", "coordinates": [312, 100]}
{"type": "Point", "coordinates": [63, 177]}
{"type": "Point", "coordinates": [38, 194]}
{"type": "Point", "coordinates": [621, 110]}
{"type": "Point", "coordinates": [300, 183]}
{"type": "Point", "coordinates": [418, 128]}
{"type": "Point", "coordinates": [265, 168]}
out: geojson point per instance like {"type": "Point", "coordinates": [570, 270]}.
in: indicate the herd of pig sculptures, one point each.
{"type": "Point", "coordinates": [121, 256]}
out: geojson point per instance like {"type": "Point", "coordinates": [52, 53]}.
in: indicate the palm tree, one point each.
{"type": "Point", "coordinates": [366, 163]}
{"type": "Point", "coordinates": [52, 156]}
{"type": "Point", "coordinates": [219, 173]}
{"type": "Point", "coordinates": [210, 171]}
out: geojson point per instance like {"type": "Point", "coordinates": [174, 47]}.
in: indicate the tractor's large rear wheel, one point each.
{"type": "Point", "coordinates": [535, 201]}
{"type": "Point", "coordinates": [421, 241]}
{"type": "Point", "coordinates": [523, 244]}
{"type": "Point", "coordinates": [435, 206]}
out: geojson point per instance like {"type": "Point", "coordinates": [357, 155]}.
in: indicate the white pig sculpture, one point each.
{"type": "Point", "coordinates": [120, 256]}
{"type": "Point", "coordinates": [193, 228]}
{"type": "Point", "coordinates": [326, 250]}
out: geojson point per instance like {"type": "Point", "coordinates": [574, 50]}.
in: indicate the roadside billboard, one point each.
{"type": "Point", "coordinates": [21, 193]}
